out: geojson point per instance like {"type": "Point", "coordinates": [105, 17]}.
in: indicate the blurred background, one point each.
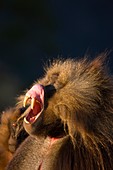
{"type": "Point", "coordinates": [35, 31]}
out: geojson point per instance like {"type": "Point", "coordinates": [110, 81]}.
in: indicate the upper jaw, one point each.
{"type": "Point", "coordinates": [36, 96]}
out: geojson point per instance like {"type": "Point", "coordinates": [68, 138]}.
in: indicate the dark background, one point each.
{"type": "Point", "coordinates": [34, 31]}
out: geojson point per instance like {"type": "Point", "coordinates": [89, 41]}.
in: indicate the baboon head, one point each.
{"type": "Point", "coordinates": [74, 96]}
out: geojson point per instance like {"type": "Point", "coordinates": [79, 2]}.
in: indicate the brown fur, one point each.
{"type": "Point", "coordinates": [79, 114]}
{"type": "Point", "coordinates": [9, 132]}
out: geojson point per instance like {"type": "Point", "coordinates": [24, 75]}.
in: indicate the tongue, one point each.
{"type": "Point", "coordinates": [36, 109]}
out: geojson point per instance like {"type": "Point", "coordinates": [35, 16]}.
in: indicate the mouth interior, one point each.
{"type": "Point", "coordinates": [34, 113]}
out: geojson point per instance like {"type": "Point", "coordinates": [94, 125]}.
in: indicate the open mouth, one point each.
{"type": "Point", "coordinates": [34, 113]}
{"type": "Point", "coordinates": [36, 95]}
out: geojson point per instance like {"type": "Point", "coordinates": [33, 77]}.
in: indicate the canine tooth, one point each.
{"type": "Point", "coordinates": [25, 100]}
{"type": "Point", "coordinates": [33, 103]}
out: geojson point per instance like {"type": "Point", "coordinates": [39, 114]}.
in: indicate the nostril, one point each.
{"type": "Point", "coordinates": [49, 90]}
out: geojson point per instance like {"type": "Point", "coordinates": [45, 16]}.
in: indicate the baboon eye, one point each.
{"type": "Point", "coordinates": [54, 77]}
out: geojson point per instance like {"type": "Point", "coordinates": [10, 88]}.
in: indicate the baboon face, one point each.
{"type": "Point", "coordinates": [40, 116]}
{"type": "Point", "coordinates": [48, 108]}
{"type": "Point", "coordinates": [71, 94]}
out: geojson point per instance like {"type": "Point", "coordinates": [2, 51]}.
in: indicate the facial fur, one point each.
{"type": "Point", "coordinates": [82, 89]}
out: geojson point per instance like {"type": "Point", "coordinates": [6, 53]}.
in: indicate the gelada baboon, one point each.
{"type": "Point", "coordinates": [12, 134]}
{"type": "Point", "coordinates": [70, 119]}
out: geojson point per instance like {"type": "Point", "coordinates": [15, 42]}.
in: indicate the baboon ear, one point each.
{"type": "Point", "coordinates": [67, 117]}
{"type": "Point", "coordinates": [61, 110]}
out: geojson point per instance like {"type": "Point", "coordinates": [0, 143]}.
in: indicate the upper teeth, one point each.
{"type": "Point", "coordinates": [33, 100]}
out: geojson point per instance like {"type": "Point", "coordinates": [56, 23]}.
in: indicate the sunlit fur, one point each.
{"type": "Point", "coordinates": [83, 106]}
{"type": "Point", "coordinates": [9, 133]}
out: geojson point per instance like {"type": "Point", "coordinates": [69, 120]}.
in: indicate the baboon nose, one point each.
{"type": "Point", "coordinates": [49, 90]}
